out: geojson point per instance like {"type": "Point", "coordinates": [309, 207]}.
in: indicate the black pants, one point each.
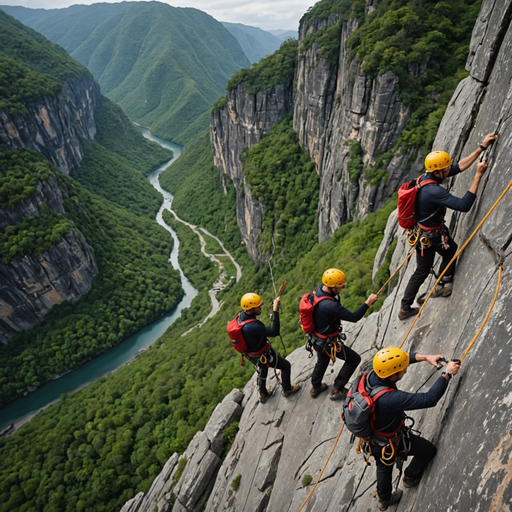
{"type": "Point", "coordinates": [274, 360]}
{"type": "Point", "coordinates": [424, 264]}
{"type": "Point", "coordinates": [423, 452]}
{"type": "Point", "coordinates": [351, 358]}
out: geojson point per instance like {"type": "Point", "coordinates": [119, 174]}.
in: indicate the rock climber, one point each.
{"type": "Point", "coordinates": [256, 336]}
{"type": "Point", "coordinates": [431, 233]}
{"type": "Point", "coordinates": [389, 367]}
{"type": "Point", "coordinates": [327, 315]}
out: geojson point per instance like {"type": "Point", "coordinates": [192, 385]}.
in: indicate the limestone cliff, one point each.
{"type": "Point", "coordinates": [285, 440]}
{"type": "Point", "coordinates": [54, 125]}
{"type": "Point", "coordinates": [336, 103]}
{"type": "Point", "coordinates": [237, 127]}
{"type": "Point", "coordinates": [30, 286]}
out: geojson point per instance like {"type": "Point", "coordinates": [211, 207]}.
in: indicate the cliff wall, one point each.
{"type": "Point", "coordinates": [284, 441]}
{"type": "Point", "coordinates": [53, 126]}
{"type": "Point", "coordinates": [30, 286]}
{"type": "Point", "coordinates": [337, 105]}
{"type": "Point", "coordinates": [236, 128]}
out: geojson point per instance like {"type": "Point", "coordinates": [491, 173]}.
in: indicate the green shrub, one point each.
{"type": "Point", "coordinates": [235, 484]}
{"type": "Point", "coordinates": [306, 480]}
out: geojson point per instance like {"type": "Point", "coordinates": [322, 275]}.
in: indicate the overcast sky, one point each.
{"type": "Point", "coordinates": [266, 14]}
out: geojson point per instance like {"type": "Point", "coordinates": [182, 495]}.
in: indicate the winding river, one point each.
{"type": "Point", "coordinates": [23, 409]}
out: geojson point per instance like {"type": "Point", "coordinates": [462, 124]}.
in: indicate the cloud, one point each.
{"type": "Point", "coordinates": [266, 14]}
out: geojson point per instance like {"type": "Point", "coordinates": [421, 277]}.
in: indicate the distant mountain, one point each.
{"type": "Point", "coordinates": [255, 42]}
{"type": "Point", "coordinates": [165, 66]}
{"type": "Point", "coordinates": [285, 34]}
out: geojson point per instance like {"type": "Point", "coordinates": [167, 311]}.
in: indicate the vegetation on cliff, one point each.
{"type": "Point", "coordinates": [283, 178]}
{"type": "Point", "coordinates": [31, 68]}
{"type": "Point", "coordinates": [272, 71]}
{"type": "Point", "coordinates": [425, 44]}
{"type": "Point", "coordinates": [163, 65]}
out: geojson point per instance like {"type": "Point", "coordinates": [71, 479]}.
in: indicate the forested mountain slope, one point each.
{"type": "Point", "coordinates": [255, 42]}
{"type": "Point", "coordinates": [75, 250]}
{"type": "Point", "coordinates": [163, 65]}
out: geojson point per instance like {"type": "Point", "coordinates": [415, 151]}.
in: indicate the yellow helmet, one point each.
{"type": "Point", "coordinates": [333, 277]}
{"type": "Point", "coordinates": [389, 361]}
{"type": "Point", "coordinates": [437, 160]}
{"type": "Point", "coordinates": [250, 300]}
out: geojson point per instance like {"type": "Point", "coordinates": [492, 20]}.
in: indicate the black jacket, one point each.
{"type": "Point", "coordinates": [390, 406]}
{"type": "Point", "coordinates": [256, 333]}
{"type": "Point", "coordinates": [328, 313]}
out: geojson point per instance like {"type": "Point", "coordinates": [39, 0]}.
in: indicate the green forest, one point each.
{"type": "Point", "coordinates": [163, 65]}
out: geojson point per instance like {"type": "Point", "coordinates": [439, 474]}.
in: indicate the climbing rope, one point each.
{"type": "Point", "coordinates": [486, 317]}
{"type": "Point", "coordinates": [455, 257]}
{"type": "Point", "coordinates": [462, 358]}
{"type": "Point", "coordinates": [323, 469]}
{"type": "Point", "coordinates": [395, 272]}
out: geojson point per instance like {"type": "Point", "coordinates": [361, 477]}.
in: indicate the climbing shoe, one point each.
{"type": "Point", "coordinates": [338, 394]}
{"type": "Point", "coordinates": [293, 389]}
{"type": "Point", "coordinates": [411, 481]}
{"type": "Point", "coordinates": [442, 290]}
{"type": "Point", "coordinates": [393, 500]}
{"type": "Point", "coordinates": [265, 396]}
{"type": "Point", "coordinates": [403, 315]}
{"type": "Point", "coordinates": [316, 391]}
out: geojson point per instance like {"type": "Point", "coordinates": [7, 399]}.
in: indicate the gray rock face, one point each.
{"type": "Point", "coordinates": [32, 285]}
{"type": "Point", "coordinates": [336, 103]}
{"type": "Point", "coordinates": [237, 127]}
{"type": "Point", "coordinates": [287, 439]}
{"type": "Point", "coordinates": [47, 191]}
{"type": "Point", "coordinates": [49, 127]}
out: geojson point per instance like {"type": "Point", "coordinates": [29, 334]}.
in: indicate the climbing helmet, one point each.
{"type": "Point", "coordinates": [333, 277]}
{"type": "Point", "coordinates": [390, 360]}
{"type": "Point", "coordinates": [250, 300]}
{"type": "Point", "coordinates": [437, 160]}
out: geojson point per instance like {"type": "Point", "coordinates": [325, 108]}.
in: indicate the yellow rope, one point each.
{"type": "Point", "coordinates": [323, 469]}
{"type": "Point", "coordinates": [486, 318]}
{"type": "Point", "coordinates": [454, 258]}
{"type": "Point", "coordinates": [395, 272]}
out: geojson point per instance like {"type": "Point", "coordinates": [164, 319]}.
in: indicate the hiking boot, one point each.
{"type": "Point", "coordinates": [316, 391]}
{"type": "Point", "coordinates": [293, 389]}
{"type": "Point", "coordinates": [338, 394]}
{"type": "Point", "coordinates": [403, 315]}
{"type": "Point", "coordinates": [442, 290]}
{"type": "Point", "coordinates": [393, 500]}
{"type": "Point", "coordinates": [265, 396]}
{"type": "Point", "coordinates": [411, 481]}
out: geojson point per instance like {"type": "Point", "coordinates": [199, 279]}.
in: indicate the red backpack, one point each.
{"type": "Point", "coordinates": [407, 202]}
{"type": "Point", "coordinates": [306, 307]}
{"type": "Point", "coordinates": [237, 338]}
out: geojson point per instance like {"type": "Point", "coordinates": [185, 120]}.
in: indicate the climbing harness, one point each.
{"type": "Point", "coordinates": [507, 188]}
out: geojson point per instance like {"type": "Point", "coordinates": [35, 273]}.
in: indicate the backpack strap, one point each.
{"type": "Point", "coordinates": [316, 300]}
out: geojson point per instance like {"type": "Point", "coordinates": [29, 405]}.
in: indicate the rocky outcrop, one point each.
{"type": "Point", "coordinates": [236, 128]}
{"type": "Point", "coordinates": [32, 285]}
{"type": "Point", "coordinates": [53, 126]}
{"type": "Point", "coordinates": [188, 491]}
{"type": "Point", "coordinates": [282, 446]}
{"type": "Point", "coordinates": [337, 105]}
{"type": "Point", "coordinates": [47, 192]}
